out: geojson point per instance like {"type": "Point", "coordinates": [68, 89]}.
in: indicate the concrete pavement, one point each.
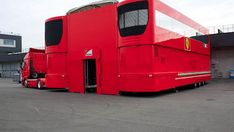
{"type": "Point", "coordinates": [206, 109]}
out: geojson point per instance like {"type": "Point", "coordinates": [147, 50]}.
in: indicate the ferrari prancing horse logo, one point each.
{"type": "Point", "coordinates": [187, 45]}
{"type": "Point", "coordinates": [89, 52]}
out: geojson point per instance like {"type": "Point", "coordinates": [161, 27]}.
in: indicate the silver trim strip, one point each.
{"type": "Point", "coordinates": [193, 73]}
{"type": "Point", "coordinates": [181, 78]}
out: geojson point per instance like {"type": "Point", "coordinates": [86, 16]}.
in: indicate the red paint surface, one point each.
{"type": "Point", "coordinates": [94, 29]}
{"type": "Point", "coordinates": [151, 62]}
{"type": "Point", "coordinates": [143, 63]}
{"type": "Point", "coordinates": [56, 74]}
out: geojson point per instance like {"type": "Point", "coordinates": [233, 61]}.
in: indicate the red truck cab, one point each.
{"type": "Point", "coordinates": [33, 68]}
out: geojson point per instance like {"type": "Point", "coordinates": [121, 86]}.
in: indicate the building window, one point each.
{"type": "Point", "coordinates": [7, 43]}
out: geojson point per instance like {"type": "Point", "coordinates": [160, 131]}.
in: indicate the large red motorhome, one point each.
{"type": "Point", "coordinates": [159, 48]}
{"type": "Point", "coordinates": [33, 69]}
{"type": "Point", "coordinates": [131, 46]}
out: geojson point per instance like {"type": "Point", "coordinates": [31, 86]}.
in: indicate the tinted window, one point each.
{"type": "Point", "coordinates": [133, 18]}
{"type": "Point", "coordinates": [173, 25]}
{"type": "Point", "coordinates": [8, 43]}
{"type": "Point", "coordinates": [53, 32]}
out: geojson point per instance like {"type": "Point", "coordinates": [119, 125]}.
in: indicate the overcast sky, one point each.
{"type": "Point", "coordinates": [27, 17]}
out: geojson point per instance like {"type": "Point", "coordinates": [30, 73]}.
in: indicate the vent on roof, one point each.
{"type": "Point", "coordinates": [92, 6]}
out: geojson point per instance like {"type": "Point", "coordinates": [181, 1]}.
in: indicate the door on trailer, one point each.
{"type": "Point", "coordinates": [90, 76]}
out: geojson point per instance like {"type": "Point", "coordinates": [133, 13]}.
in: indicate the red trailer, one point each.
{"type": "Point", "coordinates": [56, 52]}
{"type": "Point", "coordinates": [92, 48]}
{"type": "Point", "coordinates": [132, 46]}
{"type": "Point", "coordinates": [33, 69]}
{"type": "Point", "coordinates": [159, 48]}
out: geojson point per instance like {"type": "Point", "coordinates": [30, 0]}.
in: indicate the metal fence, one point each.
{"type": "Point", "coordinates": [221, 29]}
{"type": "Point", "coordinates": [9, 33]}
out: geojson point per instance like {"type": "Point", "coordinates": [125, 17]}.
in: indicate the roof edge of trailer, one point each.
{"type": "Point", "coordinates": [92, 5]}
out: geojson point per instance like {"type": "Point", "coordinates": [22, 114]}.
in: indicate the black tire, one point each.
{"type": "Point", "coordinates": [202, 83]}
{"type": "Point", "coordinates": [25, 83]}
{"type": "Point", "coordinates": [35, 75]}
{"type": "Point", "coordinates": [191, 86]}
{"type": "Point", "coordinates": [39, 86]}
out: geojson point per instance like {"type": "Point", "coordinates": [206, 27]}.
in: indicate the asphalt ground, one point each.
{"type": "Point", "coordinates": [206, 109]}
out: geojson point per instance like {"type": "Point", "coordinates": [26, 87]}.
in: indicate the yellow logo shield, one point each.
{"type": "Point", "coordinates": [187, 45]}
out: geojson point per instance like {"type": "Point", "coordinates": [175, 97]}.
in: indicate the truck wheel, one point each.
{"type": "Point", "coordinates": [35, 75]}
{"type": "Point", "coordinates": [203, 83]}
{"type": "Point", "coordinates": [199, 84]}
{"type": "Point", "coordinates": [39, 86]}
{"type": "Point", "coordinates": [25, 83]}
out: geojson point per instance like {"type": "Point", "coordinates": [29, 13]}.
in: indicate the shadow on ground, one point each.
{"type": "Point", "coordinates": [159, 94]}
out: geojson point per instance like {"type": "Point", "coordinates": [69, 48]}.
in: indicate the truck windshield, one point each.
{"type": "Point", "coordinates": [133, 18]}
{"type": "Point", "coordinates": [53, 32]}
